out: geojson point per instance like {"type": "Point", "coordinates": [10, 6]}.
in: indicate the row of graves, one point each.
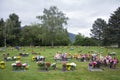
{"type": "Point", "coordinates": [17, 57]}
{"type": "Point", "coordinates": [46, 66]}
{"type": "Point", "coordinates": [62, 56]}
{"type": "Point", "coordinates": [95, 61]}
{"type": "Point", "coordinates": [7, 57]}
{"type": "Point", "coordinates": [98, 60]}
{"type": "Point", "coordinates": [38, 58]}
{"type": "Point", "coordinates": [17, 65]}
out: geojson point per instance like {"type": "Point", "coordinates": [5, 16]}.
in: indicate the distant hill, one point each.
{"type": "Point", "coordinates": [72, 37]}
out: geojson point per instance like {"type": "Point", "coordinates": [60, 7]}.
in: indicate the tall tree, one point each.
{"type": "Point", "coordinates": [114, 27]}
{"type": "Point", "coordinates": [13, 27]}
{"type": "Point", "coordinates": [52, 21]}
{"type": "Point", "coordinates": [98, 29]}
{"type": "Point", "coordinates": [2, 32]}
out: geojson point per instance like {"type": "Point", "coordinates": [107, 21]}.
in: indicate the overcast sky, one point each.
{"type": "Point", "coordinates": [81, 13]}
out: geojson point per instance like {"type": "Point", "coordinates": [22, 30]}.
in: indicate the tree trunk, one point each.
{"type": "Point", "coordinates": [119, 45]}
{"type": "Point", "coordinates": [52, 44]}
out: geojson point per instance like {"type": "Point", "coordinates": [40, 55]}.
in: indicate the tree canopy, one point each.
{"type": "Point", "coordinates": [12, 29]}
{"type": "Point", "coordinates": [52, 22]}
{"type": "Point", "coordinates": [81, 40]}
{"type": "Point", "coordinates": [50, 31]}
{"type": "Point", "coordinates": [108, 33]}
{"type": "Point", "coordinates": [98, 30]}
{"type": "Point", "coordinates": [114, 27]}
{"type": "Point", "coordinates": [2, 31]}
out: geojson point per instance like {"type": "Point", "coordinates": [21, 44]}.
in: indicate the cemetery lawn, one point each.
{"type": "Point", "coordinates": [81, 72]}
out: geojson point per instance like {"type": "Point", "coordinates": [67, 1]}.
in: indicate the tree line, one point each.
{"type": "Point", "coordinates": [50, 31]}
{"type": "Point", "coordinates": [107, 33]}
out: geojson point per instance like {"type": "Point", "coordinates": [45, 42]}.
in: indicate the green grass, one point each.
{"type": "Point", "coordinates": [81, 72]}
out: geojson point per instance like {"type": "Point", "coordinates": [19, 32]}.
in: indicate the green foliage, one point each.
{"type": "Point", "coordinates": [79, 39]}
{"type": "Point", "coordinates": [2, 32]}
{"type": "Point", "coordinates": [107, 34]}
{"type": "Point", "coordinates": [35, 35]}
{"type": "Point", "coordinates": [89, 42]}
{"type": "Point", "coordinates": [13, 27]}
{"type": "Point", "coordinates": [51, 31]}
{"type": "Point", "coordinates": [84, 41]}
{"type": "Point", "coordinates": [114, 27]}
{"type": "Point", "coordinates": [31, 35]}
{"type": "Point", "coordinates": [98, 30]}
{"type": "Point", "coordinates": [52, 24]}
